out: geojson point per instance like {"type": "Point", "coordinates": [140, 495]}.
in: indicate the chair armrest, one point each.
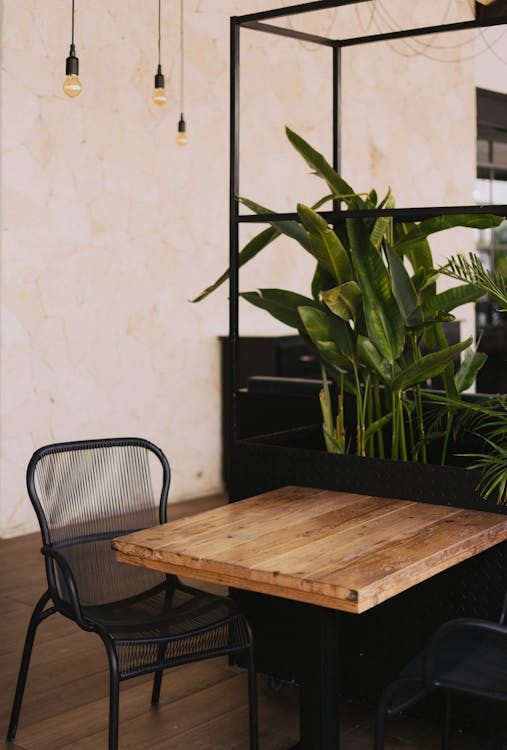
{"type": "Point", "coordinates": [72, 607]}
{"type": "Point", "coordinates": [433, 649]}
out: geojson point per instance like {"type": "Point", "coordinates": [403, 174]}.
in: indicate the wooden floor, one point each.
{"type": "Point", "coordinates": [203, 706]}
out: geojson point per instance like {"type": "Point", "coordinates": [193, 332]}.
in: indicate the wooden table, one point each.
{"type": "Point", "coordinates": [336, 550]}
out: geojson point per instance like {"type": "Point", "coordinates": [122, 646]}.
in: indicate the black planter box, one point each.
{"type": "Point", "coordinates": [298, 457]}
{"type": "Point", "coordinates": [379, 642]}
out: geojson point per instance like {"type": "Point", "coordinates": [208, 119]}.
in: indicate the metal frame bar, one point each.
{"type": "Point", "coordinates": [293, 33]}
{"type": "Point", "coordinates": [234, 230]}
{"type": "Point", "coordinates": [293, 10]}
{"type": "Point", "coordinates": [399, 214]}
{"type": "Point", "coordinates": [423, 31]}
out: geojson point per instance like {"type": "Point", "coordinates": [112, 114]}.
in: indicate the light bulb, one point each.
{"type": "Point", "coordinates": [182, 138]}
{"type": "Point", "coordinates": [72, 86]}
{"type": "Point", "coordinates": [159, 98]}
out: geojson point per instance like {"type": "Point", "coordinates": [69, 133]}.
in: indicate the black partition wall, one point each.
{"type": "Point", "coordinates": [485, 16]}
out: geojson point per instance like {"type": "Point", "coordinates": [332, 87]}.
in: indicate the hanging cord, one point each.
{"type": "Point", "coordinates": [418, 48]}
{"type": "Point", "coordinates": [182, 59]}
{"type": "Point", "coordinates": [159, 33]}
{"type": "Point", "coordinates": [72, 40]}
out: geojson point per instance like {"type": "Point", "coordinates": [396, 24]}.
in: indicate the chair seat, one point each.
{"type": "Point", "coordinates": [164, 627]}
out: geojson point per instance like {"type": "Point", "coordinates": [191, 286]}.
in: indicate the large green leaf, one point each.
{"type": "Point", "coordinates": [281, 304]}
{"type": "Point", "coordinates": [472, 363]}
{"type": "Point", "coordinates": [317, 326]}
{"type": "Point", "coordinates": [316, 161]}
{"type": "Point", "coordinates": [451, 298]}
{"type": "Point", "coordinates": [370, 356]}
{"type": "Point", "coordinates": [345, 300]}
{"type": "Point", "coordinates": [291, 229]}
{"type": "Point", "coordinates": [403, 289]}
{"type": "Point", "coordinates": [428, 366]}
{"type": "Point", "coordinates": [326, 247]}
{"type": "Point", "coordinates": [440, 223]}
{"type": "Point", "coordinates": [383, 317]}
{"type": "Point", "coordinates": [251, 249]}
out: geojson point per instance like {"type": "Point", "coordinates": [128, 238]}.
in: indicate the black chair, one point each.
{"type": "Point", "coordinates": [85, 494]}
{"type": "Point", "coordinates": [464, 656]}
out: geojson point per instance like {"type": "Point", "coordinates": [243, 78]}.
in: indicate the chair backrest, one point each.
{"type": "Point", "coordinates": [84, 494]}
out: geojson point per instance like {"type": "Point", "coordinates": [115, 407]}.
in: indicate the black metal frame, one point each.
{"type": "Point", "coordinates": [63, 597]}
{"type": "Point", "coordinates": [257, 22]}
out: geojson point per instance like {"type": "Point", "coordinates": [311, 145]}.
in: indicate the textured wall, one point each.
{"type": "Point", "coordinates": [109, 228]}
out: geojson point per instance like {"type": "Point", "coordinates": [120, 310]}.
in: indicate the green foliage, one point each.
{"type": "Point", "coordinates": [470, 269]}
{"type": "Point", "coordinates": [373, 299]}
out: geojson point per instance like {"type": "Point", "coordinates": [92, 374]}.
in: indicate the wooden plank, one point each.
{"type": "Point", "coordinates": [346, 604]}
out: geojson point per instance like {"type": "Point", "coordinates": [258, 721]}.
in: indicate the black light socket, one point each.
{"type": "Point", "coordinates": [159, 78]}
{"type": "Point", "coordinates": [72, 63]}
{"type": "Point", "coordinates": [182, 125]}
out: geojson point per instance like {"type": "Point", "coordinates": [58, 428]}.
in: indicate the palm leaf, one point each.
{"type": "Point", "coordinates": [470, 269]}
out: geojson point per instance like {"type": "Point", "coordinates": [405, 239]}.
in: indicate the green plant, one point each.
{"type": "Point", "coordinates": [487, 419]}
{"type": "Point", "coordinates": [373, 299]}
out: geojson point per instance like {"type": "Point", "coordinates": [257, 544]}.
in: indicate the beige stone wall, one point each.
{"type": "Point", "coordinates": [109, 228]}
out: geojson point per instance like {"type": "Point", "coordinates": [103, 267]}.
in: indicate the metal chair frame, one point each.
{"type": "Point", "coordinates": [63, 597]}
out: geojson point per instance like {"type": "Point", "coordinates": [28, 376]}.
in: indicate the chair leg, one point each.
{"type": "Point", "coordinates": [35, 621]}
{"type": "Point", "coordinates": [252, 702]}
{"type": "Point", "coordinates": [447, 728]}
{"type": "Point", "coordinates": [114, 694]}
{"type": "Point", "coordinates": [157, 682]}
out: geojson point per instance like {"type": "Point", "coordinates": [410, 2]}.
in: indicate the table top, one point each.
{"type": "Point", "coordinates": [335, 549]}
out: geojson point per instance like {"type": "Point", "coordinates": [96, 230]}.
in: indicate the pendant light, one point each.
{"type": "Point", "coordinates": [182, 138]}
{"type": "Point", "coordinates": [159, 98]}
{"type": "Point", "coordinates": [72, 85]}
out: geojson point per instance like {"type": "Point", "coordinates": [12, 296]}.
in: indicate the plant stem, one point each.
{"type": "Point", "coordinates": [447, 435]}
{"type": "Point", "coordinates": [359, 415]}
{"type": "Point", "coordinates": [395, 439]}
{"type": "Point", "coordinates": [327, 412]}
{"type": "Point", "coordinates": [367, 417]}
{"type": "Point", "coordinates": [418, 407]}
{"type": "Point", "coordinates": [378, 415]}
{"type": "Point", "coordinates": [340, 418]}
{"type": "Point", "coordinates": [403, 440]}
